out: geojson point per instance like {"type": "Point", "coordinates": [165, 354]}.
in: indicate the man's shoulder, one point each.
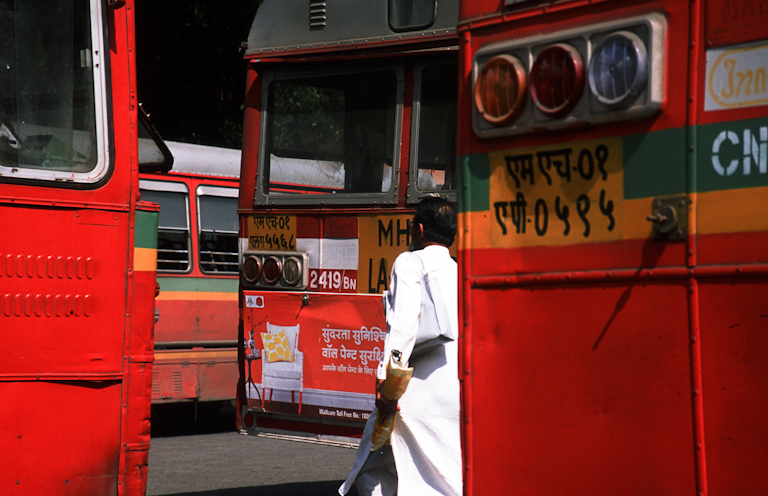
{"type": "Point", "coordinates": [408, 260]}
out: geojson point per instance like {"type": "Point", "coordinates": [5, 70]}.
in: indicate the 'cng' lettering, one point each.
{"type": "Point", "coordinates": [754, 151]}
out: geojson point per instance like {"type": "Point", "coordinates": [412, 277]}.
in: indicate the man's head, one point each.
{"type": "Point", "coordinates": [434, 223]}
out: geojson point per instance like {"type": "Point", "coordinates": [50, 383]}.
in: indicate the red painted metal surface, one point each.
{"type": "Point", "coordinates": [76, 315]}
{"type": "Point", "coordinates": [196, 321]}
{"type": "Point", "coordinates": [576, 391]}
{"type": "Point", "coordinates": [627, 366]}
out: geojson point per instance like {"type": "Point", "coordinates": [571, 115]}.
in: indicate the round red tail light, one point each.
{"type": "Point", "coordinates": [272, 270]}
{"type": "Point", "coordinates": [557, 79]}
{"type": "Point", "coordinates": [252, 269]}
{"type": "Point", "coordinates": [500, 90]}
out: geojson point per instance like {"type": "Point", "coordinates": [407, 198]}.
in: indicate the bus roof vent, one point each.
{"type": "Point", "coordinates": [317, 15]}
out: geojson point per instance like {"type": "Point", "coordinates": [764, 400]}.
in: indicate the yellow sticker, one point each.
{"type": "Point", "coordinates": [271, 232]}
{"type": "Point", "coordinates": [557, 195]}
{"type": "Point", "coordinates": [382, 239]}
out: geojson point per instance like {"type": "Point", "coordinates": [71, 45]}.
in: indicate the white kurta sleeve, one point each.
{"type": "Point", "coordinates": [403, 316]}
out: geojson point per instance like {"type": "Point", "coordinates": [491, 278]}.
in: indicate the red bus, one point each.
{"type": "Point", "coordinates": [77, 252]}
{"type": "Point", "coordinates": [613, 218]}
{"type": "Point", "coordinates": [350, 117]}
{"type": "Point", "coordinates": [197, 272]}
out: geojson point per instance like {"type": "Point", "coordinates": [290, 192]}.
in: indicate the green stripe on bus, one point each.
{"type": "Point", "coordinates": [145, 232]}
{"type": "Point", "coordinates": [654, 164]}
{"type": "Point", "coordinates": [475, 193]}
{"type": "Point", "coordinates": [199, 284]}
{"type": "Point", "coordinates": [730, 155]}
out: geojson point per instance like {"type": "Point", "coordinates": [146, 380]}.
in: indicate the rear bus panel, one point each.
{"type": "Point", "coordinates": [600, 355]}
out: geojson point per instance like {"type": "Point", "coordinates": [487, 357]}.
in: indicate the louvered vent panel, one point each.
{"type": "Point", "coordinates": [317, 14]}
{"type": "Point", "coordinates": [155, 384]}
{"type": "Point", "coordinates": [177, 385]}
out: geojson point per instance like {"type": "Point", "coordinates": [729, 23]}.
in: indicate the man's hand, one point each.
{"type": "Point", "coordinates": [385, 406]}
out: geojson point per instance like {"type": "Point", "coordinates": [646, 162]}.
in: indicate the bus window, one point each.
{"type": "Point", "coordinates": [217, 211]}
{"type": "Point", "coordinates": [331, 134]}
{"type": "Point", "coordinates": [436, 131]}
{"type": "Point", "coordinates": [173, 254]}
{"type": "Point", "coordinates": [48, 123]}
{"type": "Point", "coordinates": [411, 15]}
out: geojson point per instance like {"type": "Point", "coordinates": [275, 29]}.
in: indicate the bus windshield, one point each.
{"type": "Point", "coordinates": [331, 134]}
{"type": "Point", "coordinates": [48, 107]}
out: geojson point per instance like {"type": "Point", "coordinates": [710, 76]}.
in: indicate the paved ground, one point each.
{"type": "Point", "coordinates": [211, 459]}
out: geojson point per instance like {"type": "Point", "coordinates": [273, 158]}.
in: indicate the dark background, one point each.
{"type": "Point", "coordinates": [191, 76]}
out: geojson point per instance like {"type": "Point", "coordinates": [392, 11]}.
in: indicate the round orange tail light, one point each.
{"type": "Point", "coordinates": [557, 79]}
{"type": "Point", "coordinates": [500, 90]}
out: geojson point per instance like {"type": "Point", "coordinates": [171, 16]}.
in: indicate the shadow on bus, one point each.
{"type": "Point", "coordinates": [321, 488]}
{"type": "Point", "coordinates": [185, 419]}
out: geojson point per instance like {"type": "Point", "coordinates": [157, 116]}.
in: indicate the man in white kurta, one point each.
{"type": "Point", "coordinates": [425, 456]}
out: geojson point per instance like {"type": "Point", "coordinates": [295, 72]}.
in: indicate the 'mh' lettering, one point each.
{"type": "Point", "coordinates": [406, 231]}
{"type": "Point", "coordinates": [386, 231]}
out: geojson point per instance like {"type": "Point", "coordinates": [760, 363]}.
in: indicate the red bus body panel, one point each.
{"type": "Point", "coordinates": [76, 309]}
{"type": "Point", "coordinates": [613, 362]}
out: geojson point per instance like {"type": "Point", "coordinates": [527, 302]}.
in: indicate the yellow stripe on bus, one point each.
{"type": "Point", "coordinates": [144, 259]}
{"type": "Point", "coordinates": [717, 212]}
{"type": "Point", "coordinates": [202, 354]}
{"type": "Point", "coordinates": [196, 295]}
{"type": "Point", "coordinates": [733, 210]}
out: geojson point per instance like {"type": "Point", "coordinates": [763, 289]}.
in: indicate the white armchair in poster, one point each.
{"type": "Point", "coordinates": [282, 364]}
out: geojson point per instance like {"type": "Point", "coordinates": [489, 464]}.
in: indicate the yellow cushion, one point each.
{"type": "Point", "coordinates": [276, 347]}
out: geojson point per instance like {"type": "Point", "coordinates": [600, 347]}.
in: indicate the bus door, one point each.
{"type": "Point", "coordinates": [608, 211]}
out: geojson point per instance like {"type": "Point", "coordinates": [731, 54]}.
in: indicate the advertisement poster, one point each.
{"type": "Point", "coordinates": [313, 354]}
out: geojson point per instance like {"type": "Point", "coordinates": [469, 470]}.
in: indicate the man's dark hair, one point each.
{"type": "Point", "coordinates": [438, 217]}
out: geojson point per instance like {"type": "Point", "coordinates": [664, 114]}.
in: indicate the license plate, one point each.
{"type": "Point", "coordinates": [271, 232]}
{"type": "Point", "coordinates": [557, 195]}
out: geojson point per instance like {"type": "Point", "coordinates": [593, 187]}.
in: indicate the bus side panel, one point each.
{"type": "Point", "coordinates": [734, 345]}
{"type": "Point", "coordinates": [732, 228]}
{"type": "Point", "coordinates": [193, 318]}
{"type": "Point", "coordinates": [197, 374]}
{"type": "Point", "coordinates": [585, 399]}
{"type": "Point", "coordinates": [136, 449]}
{"type": "Point", "coordinates": [199, 312]}
{"type": "Point", "coordinates": [60, 437]}
{"type": "Point", "coordinates": [61, 288]}
{"type": "Point", "coordinates": [141, 349]}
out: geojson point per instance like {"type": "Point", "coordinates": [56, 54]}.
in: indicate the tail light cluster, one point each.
{"type": "Point", "coordinates": [601, 73]}
{"type": "Point", "coordinates": [275, 270]}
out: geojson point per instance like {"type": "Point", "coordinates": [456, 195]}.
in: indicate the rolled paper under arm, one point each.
{"type": "Point", "coordinates": [394, 386]}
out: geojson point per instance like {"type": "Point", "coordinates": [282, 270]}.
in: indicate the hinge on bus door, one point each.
{"type": "Point", "coordinates": [670, 218]}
